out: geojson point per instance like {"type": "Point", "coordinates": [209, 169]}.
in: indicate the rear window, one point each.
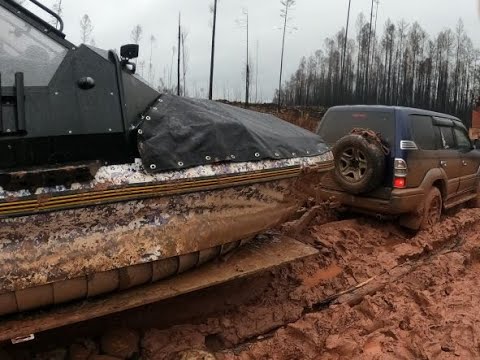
{"type": "Point", "coordinates": [423, 132]}
{"type": "Point", "coordinates": [338, 124]}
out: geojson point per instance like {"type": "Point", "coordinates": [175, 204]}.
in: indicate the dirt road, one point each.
{"type": "Point", "coordinates": [373, 292]}
{"type": "Point", "coordinates": [419, 300]}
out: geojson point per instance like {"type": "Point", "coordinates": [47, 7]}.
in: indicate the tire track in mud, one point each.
{"type": "Point", "coordinates": [347, 302]}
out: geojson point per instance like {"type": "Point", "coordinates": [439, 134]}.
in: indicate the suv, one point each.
{"type": "Point", "coordinates": [400, 161]}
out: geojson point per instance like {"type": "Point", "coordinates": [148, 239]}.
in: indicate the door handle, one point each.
{"type": "Point", "coordinates": [443, 164]}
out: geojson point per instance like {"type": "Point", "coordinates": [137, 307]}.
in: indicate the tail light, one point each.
{"type": "Point", "coordinates": [400, 174]}
{"type": "Point", "coordinates": [400, 183]}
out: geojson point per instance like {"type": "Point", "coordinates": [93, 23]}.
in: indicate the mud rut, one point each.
{"type": "Point", "coordinates": [373, 292]}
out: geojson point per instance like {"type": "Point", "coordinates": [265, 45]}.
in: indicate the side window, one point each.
{"type": "Point", "coordinates": [423, 132]}
{"type": "Point", "coordinates": [448, 139]}
{"type": "Point", "coordinates": [463, 141]}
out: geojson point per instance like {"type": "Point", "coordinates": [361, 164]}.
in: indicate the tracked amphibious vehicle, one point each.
{"type": "Point", "coordinates": [108, 184]}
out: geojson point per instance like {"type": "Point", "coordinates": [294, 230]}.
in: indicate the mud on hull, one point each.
{"type": "Point", "coordinates": [56, 257]}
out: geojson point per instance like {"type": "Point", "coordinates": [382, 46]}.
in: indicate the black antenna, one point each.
{"type": "Point", "coordinates": [212, 58]}
{"type": "Point", "coordinates": [179, 49]}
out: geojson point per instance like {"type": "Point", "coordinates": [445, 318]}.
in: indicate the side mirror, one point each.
{"type": "Point", "coordinates": [129, 52]}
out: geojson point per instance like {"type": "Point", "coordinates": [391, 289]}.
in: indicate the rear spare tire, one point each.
{"type": "Point", "coordinates": [359, 164]}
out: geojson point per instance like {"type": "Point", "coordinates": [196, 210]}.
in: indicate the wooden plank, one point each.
{"type": "Point", "coordinates": [253, 258]}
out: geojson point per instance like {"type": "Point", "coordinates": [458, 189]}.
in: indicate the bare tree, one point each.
{"type": "Point", "coordinates": [136, 34]}
{"type": "Point", "coordinates": [151, 75]}
{"type": "Point", "coordinates": [402, 31]}
{"type": "Point", "coordinates": [459, 32]}
{"type": "Point", "coordinates": [389, 44]}
{"type": "Point", "coordinates": [367, 78]}
{"type": "Point", "coordinates": [86, 29]}
{"type": "Point", "coordinates": [243, 23]}
{"type": "Point", "coordinates": [185, 57]}
{"type": "Point", "coordinates": [247, 68]}
{"type": "Point", "coordinates": [161, 86]}
{"type": "Point", "coordinates": [374, 51]}
{"type": "Point", "coordinates": [141, 68]}
{"type": "Point", "coordinates": [170, 84]}
{"type": "Point", "coordinates": [345, 43]}
{"type": "Point", "coordinates": [416, 37]}
{"type": "Point", "coordinates": [287, 6]}
{"type": "Point", "coordinates": [179, 51]}
{"type": "Point", "coordinates": [256, 72]}
{"type": "Point", "coordinates": [213, 9]}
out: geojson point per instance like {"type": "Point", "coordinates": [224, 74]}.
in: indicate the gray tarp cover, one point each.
{"type": "Point", "coordinates": [180, 133]}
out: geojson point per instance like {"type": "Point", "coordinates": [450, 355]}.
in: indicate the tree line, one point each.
{"type": "Point", "coordinates": [402, 65]}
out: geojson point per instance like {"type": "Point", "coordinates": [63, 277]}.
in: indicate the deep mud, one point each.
{"type": "Point", "coordinates": [420, 299]}
{"type": "Point", "coordinates": [375, 291]}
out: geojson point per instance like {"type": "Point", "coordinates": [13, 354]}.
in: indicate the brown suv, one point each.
{"type": "Point", "coordinates": [400, 161]}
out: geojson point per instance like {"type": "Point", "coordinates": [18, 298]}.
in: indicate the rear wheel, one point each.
{"type": "Point", "coordinates": [432, 209]}
{"type": "Point", "coordinates": [427, 215]}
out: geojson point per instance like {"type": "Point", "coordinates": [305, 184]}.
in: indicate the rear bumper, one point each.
{"type": "Point", "coordinates": [401, 201]}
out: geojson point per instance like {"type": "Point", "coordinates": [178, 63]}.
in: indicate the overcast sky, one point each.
{"type": "Point", "coordinates": [113, 21]}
